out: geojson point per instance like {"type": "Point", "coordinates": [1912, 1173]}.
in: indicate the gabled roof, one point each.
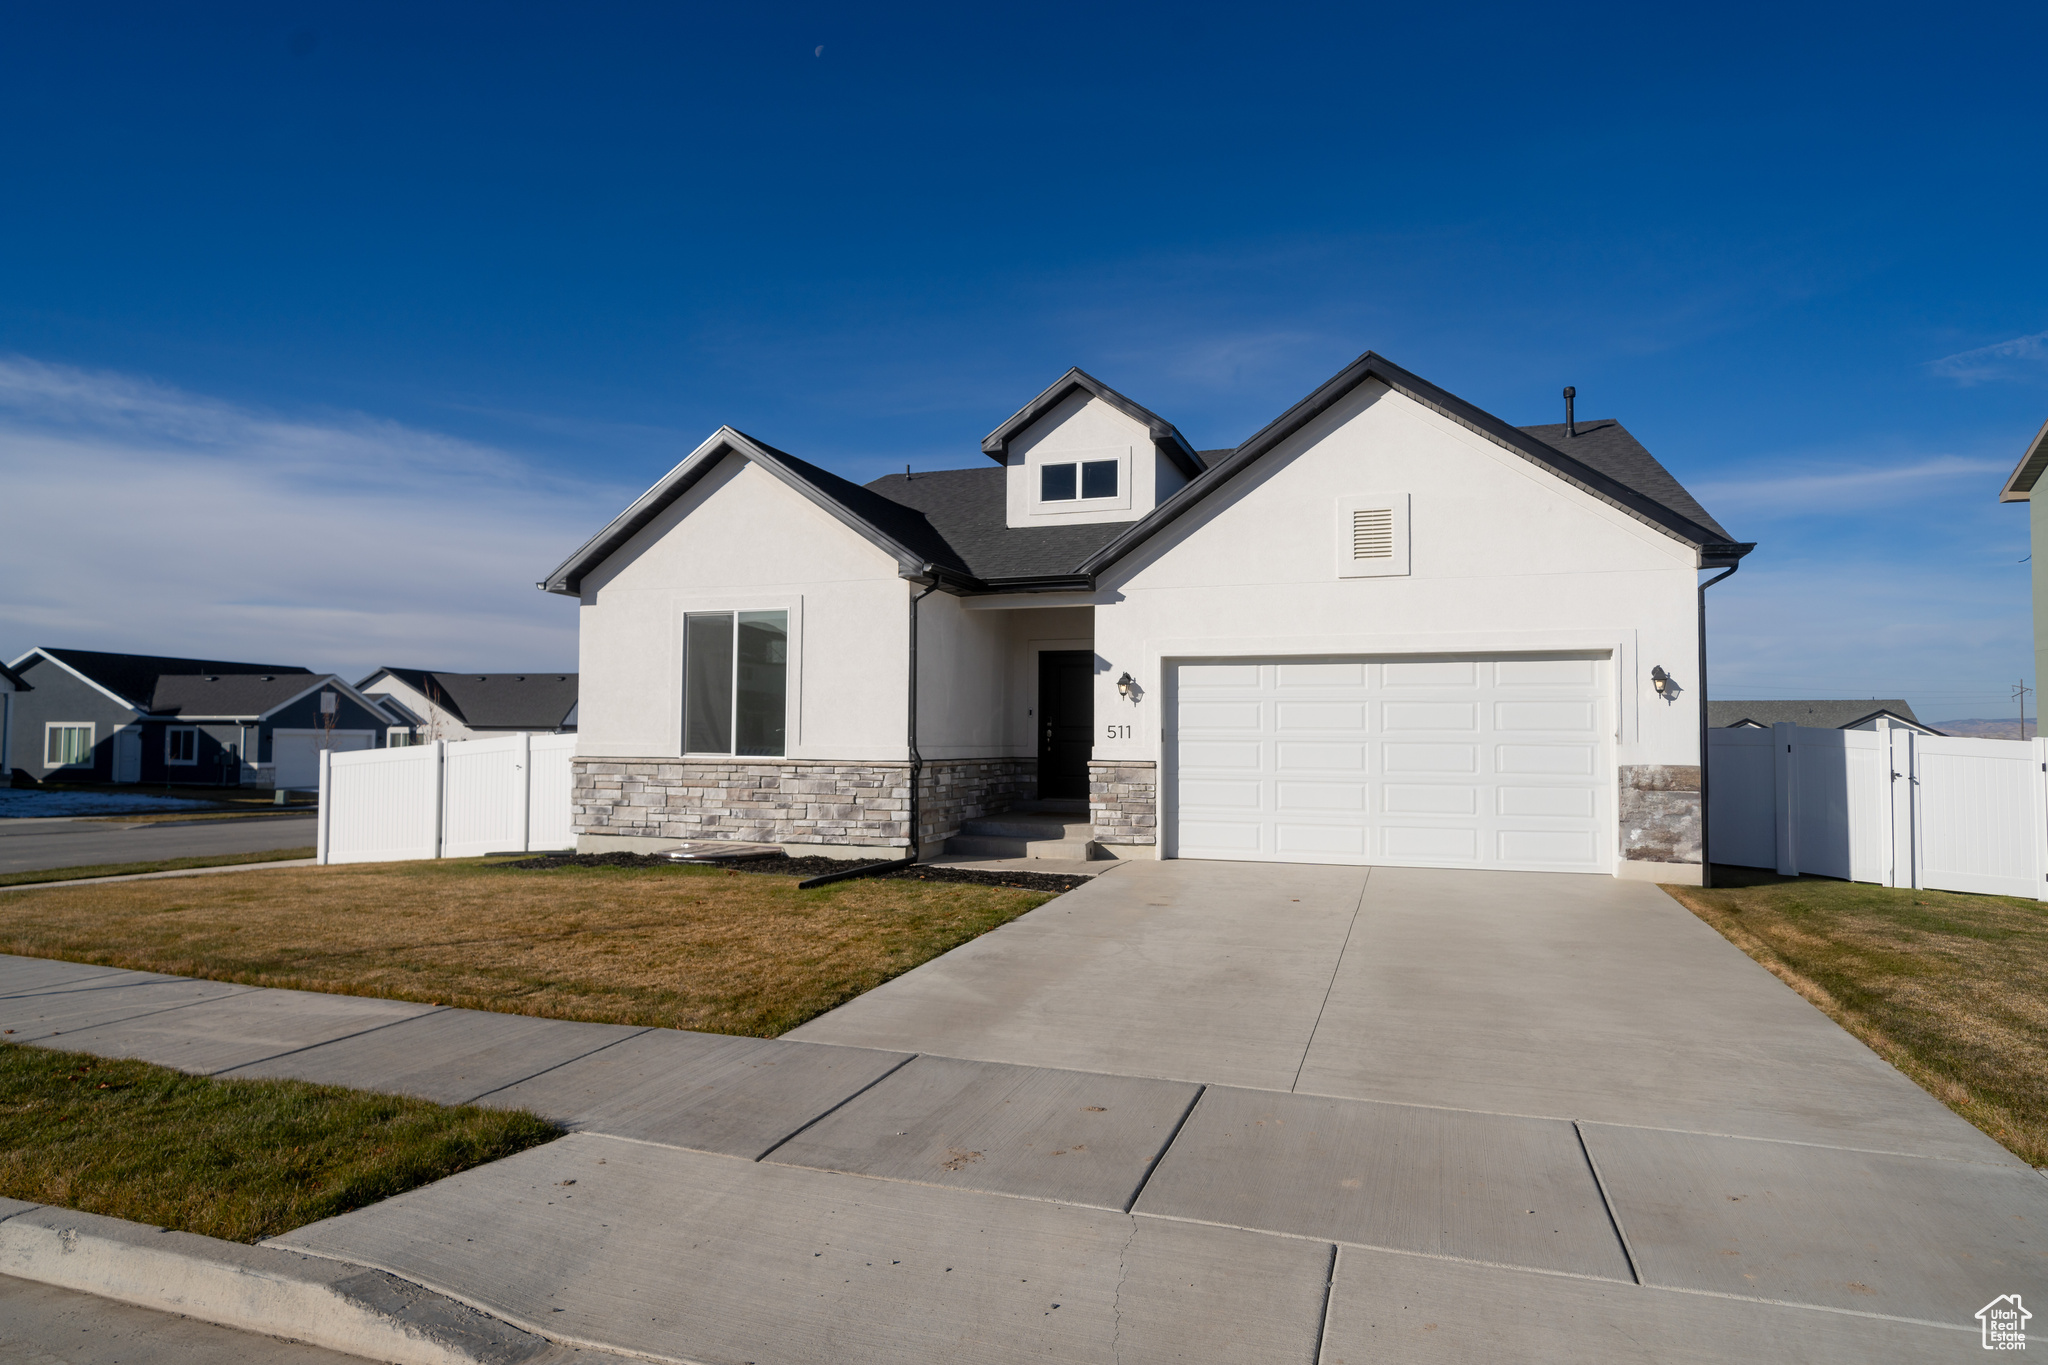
{"type": "Point", "coordinates": [240, 696]}
{"type": "Point", "coordinates": [1816, 715]}
{"type": "Point", "coordinates": [493, 701]}
{"type": "Point", "coordinates": [1166, 438]}
{"type": "Point", "coordinates": [131, 678]}
{"type": "Point", "coordinates": [1716, 549]}
{"type": "Point", "coordinates": [15, 682]}
{"type": "Point", "coordinates": [2020, 487]}
{"type": "Point", "coordinates": [897, 530]}
{"type": "Point", "coordinates": [951, 526]}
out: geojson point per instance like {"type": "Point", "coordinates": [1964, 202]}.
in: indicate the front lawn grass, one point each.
{"type": "Point", "coordinates": [72, 874]}
{"type": "Point", "coordinates": [676, 947]}
{"type": "Point", "coordinates": [240, 1160]}
{"type": "Point", "coordinates": [1951, 989]}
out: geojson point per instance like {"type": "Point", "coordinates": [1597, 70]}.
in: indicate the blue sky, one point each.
{"type": "Point", "coordinates": [325, 330]}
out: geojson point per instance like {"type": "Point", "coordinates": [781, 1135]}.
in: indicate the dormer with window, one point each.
{"type": "Point", "coordinates": [1081, 452]}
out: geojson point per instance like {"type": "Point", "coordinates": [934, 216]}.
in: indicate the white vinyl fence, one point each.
{"type": "Point", "coordinates": [1886, 806]}
{"type": "Point", "coordinates": [446, 799]}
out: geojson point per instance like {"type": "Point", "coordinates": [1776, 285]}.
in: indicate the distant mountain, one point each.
{"type": "Point", "coordinates": [2009, 728]}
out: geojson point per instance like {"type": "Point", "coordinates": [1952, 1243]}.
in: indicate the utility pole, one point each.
{"type": "Point", "coordinates": [2019, 694]}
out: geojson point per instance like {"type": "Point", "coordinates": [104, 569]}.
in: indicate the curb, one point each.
{"type": "Point", "coordinates": [174, 872]}
{"type": "Point", "coordinates": [275, 1293]}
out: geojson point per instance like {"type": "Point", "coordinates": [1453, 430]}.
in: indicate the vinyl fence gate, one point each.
{"type": "Point", "coordinates": [447, 799]}
{"type": "Point", "coordinates": [1887, 806]}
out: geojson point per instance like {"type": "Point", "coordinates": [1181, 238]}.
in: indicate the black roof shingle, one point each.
{"type": "Point", "coordinates": [134, 676]}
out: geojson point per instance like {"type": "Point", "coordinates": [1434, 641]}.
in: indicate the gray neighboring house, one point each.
{"type": "Point", "coordinates": [1854, 714]}
{"type": "Point", "coordinates": [10, 683]}
{"type": "Point", "coordinates": [430, 704]}
{"type": "Point", "coordinates": [81, 715]}
{"type": "Point", "coordinates": [2020, 488]}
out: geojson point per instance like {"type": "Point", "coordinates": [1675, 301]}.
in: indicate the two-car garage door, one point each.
{"type": "Point", "coordinates": [1490, 762]}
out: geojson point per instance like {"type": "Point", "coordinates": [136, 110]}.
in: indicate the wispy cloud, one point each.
{"type": "Point", "coordinates": [2020, 358]}
{"type": "Point", "coordinates": [139, 516]}
{"type": "Point", "coordinates": [1841, 486]}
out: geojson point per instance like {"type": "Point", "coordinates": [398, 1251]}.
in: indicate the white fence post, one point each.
{"type": "Point", "coordinates": [2040, 818]}
{"type": "Point", "coordinates": [326, 809]}
{"type": "Point", "coordinates": [522, 817]}
{"type": "Point", "coordinates": [1905, 846]}
{"type": "Point", "coordinates": [1784, 767]}
{"type": "Point", "coordinates": [440, 816]}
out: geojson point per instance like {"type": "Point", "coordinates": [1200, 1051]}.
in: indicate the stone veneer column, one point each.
{"type": "Point", "coordinates": [1660, 813]}
{"type": "Point", "coordinates": [1123, 800]}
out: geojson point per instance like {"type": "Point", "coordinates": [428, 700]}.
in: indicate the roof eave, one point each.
{"type": "Point", "coordinates": [2020, 487]}
{"type": "Point", "coordinates": [567, 579]}
{"type": "Point", "coordinates": [1166, 437]}
{"type": "Point", "coordinates": [1445, 404]}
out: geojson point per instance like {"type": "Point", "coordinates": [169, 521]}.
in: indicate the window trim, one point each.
{"type": "Point", "coordinates": [1036, 465]}
{"type": "Point", "coordinates": [790, 619]}
{"type": "Point", "coordinates": [92, 740]}
{"type": "Point", "coordinates": [191, 730]}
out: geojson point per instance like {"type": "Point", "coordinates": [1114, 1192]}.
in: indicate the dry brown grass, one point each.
{"type": "Point", "coordinates": [692, 948]}
{"type": "Point", "coordinates": [1951, 989]}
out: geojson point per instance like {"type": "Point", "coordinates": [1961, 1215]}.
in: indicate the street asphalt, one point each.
{"type": "Point", "coordinates": [33, 845]}
{"type": "Point", "coordinates": [1188, 1111]}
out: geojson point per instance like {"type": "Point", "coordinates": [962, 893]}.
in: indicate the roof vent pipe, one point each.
{"type": "Point", "coordinates": [1571, 426]}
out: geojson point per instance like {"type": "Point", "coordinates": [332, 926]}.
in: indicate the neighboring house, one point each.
{"type": "Point", "coordinates": [88, 716]}
{"type": "Point", "coordinates": [1818, 715]}
{"type": "Point", "coordinates": [10, 683]}
{"type": "Point", "coordinates": [1388, 628]}
{"type": "Point", "coordinates": [472, 705]}
{"type": "Point", "coordinates": [2020, 488]}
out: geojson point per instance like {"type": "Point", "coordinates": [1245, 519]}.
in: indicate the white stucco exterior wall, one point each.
{"type": "Point", "coordinates": [1504, 556]}
{"type": "Point", "coordinates": [742, 540]}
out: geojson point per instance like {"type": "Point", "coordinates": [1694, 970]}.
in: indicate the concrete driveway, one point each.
{"type": "Point", "coordinates": [1534, 994]}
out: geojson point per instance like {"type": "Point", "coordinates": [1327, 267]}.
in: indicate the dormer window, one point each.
{"type": "Point", "coordinates": [1081, 482]}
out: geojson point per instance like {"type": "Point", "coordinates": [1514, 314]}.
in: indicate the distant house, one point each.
{"type": "Point", "coordinates": [10, 683]}
{"type": "Point", "coordinates": [1854, 714]}
{"type": "Point", "coordinates": [80, 715]}
{"type": "Point", "coordinates": [433, 705]}
{"type": "Point", "coordinates": [2020, 488]}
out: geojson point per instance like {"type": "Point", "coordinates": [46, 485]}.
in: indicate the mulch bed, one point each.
{"type": "Point", "coordinates": [786, 866]}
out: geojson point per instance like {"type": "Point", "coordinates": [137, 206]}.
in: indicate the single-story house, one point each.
{"type": "Point", "coordinates": [1819, 715]}
{"type": "Point", "coordinates": [10, 683]}
{"type": "Point", "coordinates": [440, 705]}
{"type": "Point", "coordinates": [1388, 628]}
{"type": "Point", "coordinates": [90, 716]}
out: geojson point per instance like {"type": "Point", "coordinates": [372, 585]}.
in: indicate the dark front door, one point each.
{"type": "Point", "coordinates": [1066, 722]}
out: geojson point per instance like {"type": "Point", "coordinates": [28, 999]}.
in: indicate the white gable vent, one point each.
{"type": "Point", "coordinates": [1372, 535]}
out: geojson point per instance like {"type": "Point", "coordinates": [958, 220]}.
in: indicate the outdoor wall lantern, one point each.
{"type": "Point", "coordinates": [1666, 685]}
{"type": "Point", "coordinates": [1125, 684]}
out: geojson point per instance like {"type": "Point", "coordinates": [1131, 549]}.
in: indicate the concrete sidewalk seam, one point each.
{"type": "Point", "coordinates": [1628, 1252]}
{"type": "Point", "coordinates": [340, 1305]}
{"type": "Point", "coordinates": [1329, 1304]}
{"type": "Point", "coordinates": [146, 1014]}
{"type": "Point", "coordinates": [1164, 1147]}
{"type": "Point", "coordinates": [815, 1119]}
{"type": "Point", "coordinates": [1336, 970]}
{"type": "Point", "coordinates": [92, 983]}
{"type": "Point", "coordinates": [556, 1067]}
{"type": "Point", "coordinates": [432, 1010]}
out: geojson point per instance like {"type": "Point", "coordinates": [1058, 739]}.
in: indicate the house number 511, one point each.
{"type": "Point", "coordinates": [1119, 732]}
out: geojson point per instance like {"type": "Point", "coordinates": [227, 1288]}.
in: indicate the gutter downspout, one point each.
{"type": "Point", "coordinates": [916, 848]}
{"type": "Point", "coordinates": [1706, 849]}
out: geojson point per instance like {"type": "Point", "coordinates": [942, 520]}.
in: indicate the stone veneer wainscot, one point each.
{"type": "Point", "coordinates": [1660, 813]}
{"type": "Point", "coordinates": [1123, 800]}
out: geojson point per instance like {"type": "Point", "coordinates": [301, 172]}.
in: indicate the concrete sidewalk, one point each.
{"type": "Point", "coordinates": [1135, 1166]}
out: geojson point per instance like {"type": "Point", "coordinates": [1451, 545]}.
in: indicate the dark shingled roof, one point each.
{"type": "Point", "coordinates": [243, 696]}
{"type": "Point", "coordinates": [1607, 447]}
{"type": "Point", "coordinates": [133, 676]}
{"type": "Point", "coordinates": [968, 510]}
{"type": "Point", "coordinates": [495, 701]}
{"type": "Point", "coordinates": [1816, 715]}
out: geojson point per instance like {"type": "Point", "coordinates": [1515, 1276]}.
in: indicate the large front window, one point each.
{"type": "Point", "coordinates": [735, 682]}
{"type": "Point", "coordinates": [67, 744]}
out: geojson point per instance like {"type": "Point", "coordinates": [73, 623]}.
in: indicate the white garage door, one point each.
{"type": "Point", "coordinates": [1494, 762]}
{"type": "Point", "coordinates": [297, 753]}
